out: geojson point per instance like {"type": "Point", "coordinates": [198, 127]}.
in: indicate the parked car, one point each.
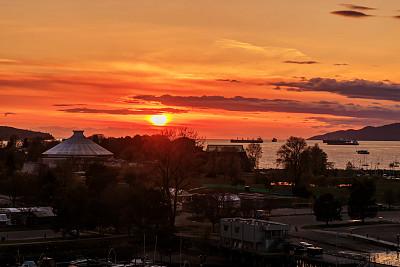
{"type": "Point", "coordinates": [28, 264]}
{"type": "Point", "coordinates": [314, 251]}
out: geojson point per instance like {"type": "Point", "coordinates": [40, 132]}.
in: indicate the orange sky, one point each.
{"type": "Point", "coordinates": [226, 68]}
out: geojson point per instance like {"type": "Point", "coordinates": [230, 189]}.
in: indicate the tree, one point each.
{"type": "Point", "coordinates": [301, 161]}
{"type": "Point", "coordinates": [214, 206]}
{"type": "Point", "coordinates": [254, 153]}
{"type": "Point", "coordinates": [290, 156]}
{"type": "Point", "coordinates": [174, 153]}
{"type": "Point", "coordinates": [318, 160]}
{"type": "Point", "coordinates": [389, 197]}
{"type": "Point", "coordinates": [361, 204]}
{"type": "Point", "coordinates": [327, 209]}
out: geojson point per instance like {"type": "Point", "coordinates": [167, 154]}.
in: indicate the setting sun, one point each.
{"type": "Point", "coordinates": [159, 120]}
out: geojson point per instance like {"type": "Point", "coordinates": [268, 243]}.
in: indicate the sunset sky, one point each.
{"type": "Point", "coordinates": [226, 68]}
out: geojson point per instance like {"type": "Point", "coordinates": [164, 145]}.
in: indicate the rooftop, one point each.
{"type": "Point", "coordinates": [225, 148]}
{"type": "Point", "coordinates": [77, 145]}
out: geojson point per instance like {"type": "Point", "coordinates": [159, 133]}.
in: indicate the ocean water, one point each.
{"type": "Point", "coordinates": [382, 153]}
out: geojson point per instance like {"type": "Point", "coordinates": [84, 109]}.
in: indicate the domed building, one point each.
{"type": "Point", "coordinates": [77, 146]}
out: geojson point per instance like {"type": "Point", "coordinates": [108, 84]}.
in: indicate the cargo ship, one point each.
{"type": "Point", "coordinates": [341, 142]}
{"type": "Point", "coordinates": [237, 140]}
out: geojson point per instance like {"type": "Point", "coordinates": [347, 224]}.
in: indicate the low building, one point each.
{"type": "Point", "coordinates": [77, 148]}
{"type": "Point", "coordinates": [28, 216]}
{"type": "Point", "coordinates": [215, 151]}
{"type": "Point", "coordinates": [253, 235]}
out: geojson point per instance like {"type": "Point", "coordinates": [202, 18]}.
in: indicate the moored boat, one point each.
{"type": "Point", "coordinates": [340, 142]}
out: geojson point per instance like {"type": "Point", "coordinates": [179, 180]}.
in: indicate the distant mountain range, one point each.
{"type": "Point", "coordinates": [390, 132]}
{"type": "Point", "coordinates": [6, 132]}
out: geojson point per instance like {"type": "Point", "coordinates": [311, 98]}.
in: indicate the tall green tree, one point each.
{"type": "Point", "coordinates": [361, 203]}
{"type": "Point", "coordinates": [327, 209]}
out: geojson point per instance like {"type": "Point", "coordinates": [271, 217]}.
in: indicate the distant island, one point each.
{"type": "Point", "coordinates": [6, 132]}
{"type": "Point", "coordinates": [390, 132]}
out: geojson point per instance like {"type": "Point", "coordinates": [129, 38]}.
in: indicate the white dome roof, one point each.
{"type": "Point", "coordinates": [77, 145]}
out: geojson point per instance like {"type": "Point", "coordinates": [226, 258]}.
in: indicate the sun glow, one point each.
{"type": "Point", "coordinates": [159, 120]}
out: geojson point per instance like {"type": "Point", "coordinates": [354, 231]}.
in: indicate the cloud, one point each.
{"type": "Point", "coordinates": [9, 61]}
{"type": "Point", "coordinates": [300, 62]}
{"type": "Point", "coordinates": [341, 64]}
{"type": "Point", "coordinates": [396, 17]}
{"type": "Point", "coordinates": [350, 13]}
{"type": "Point", "coordinates": [227, 80]}
{"type": "Point", "coordinates": [350, 121]}
{"type": "Point", "coordinates": [354, 89]}
{"type": "Point", "coordinates": [125, 111]}
{"type": "Point", "coordinates": [242, 104]}
{"type": "Point", "coordinates": [356, 7]}
{"type": "Point", "coordinates": [269, 51]}
{"type": "Point", "coordinates": [67, 105]}
{"type": "Point", "coordinates": [8, 113]}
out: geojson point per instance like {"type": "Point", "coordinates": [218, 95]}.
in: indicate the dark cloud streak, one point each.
{"type": "Point", "coordinates": [350, 13]}
{"type": "Point", "coordinates": [354, 89]}
{"type": "Point", "coordinates": [356, 7]}
{"type": "Point", "coordinates": [242, 104]}
{"type": "Point", "coordinates": [300, 62]}
{"type": "Point", "coordinates": [125, 111]}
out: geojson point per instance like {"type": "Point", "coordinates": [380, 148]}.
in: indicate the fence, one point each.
{"type": "Point", "coordinates": [249, 189]}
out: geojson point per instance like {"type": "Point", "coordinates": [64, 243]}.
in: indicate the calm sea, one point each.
{"type": "Point", "coordinates": [382, 153]}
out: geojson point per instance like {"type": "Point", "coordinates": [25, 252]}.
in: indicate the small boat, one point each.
{"type": "Point", "coordinates": [274, 140]}
{"type": "Point", "coordinates": [366, 152]}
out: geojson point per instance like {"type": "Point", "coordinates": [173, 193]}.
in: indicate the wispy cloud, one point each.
{"type": "Point", "coordinates": [354, 88]}
{"type": "Point", "coordinates": [350, 13]}
{"type": "Point", "coordinates": [9, 61]}
{"type": "Point", "coordinates": [300, 62]}
{"type": "Point", "coordinates": [227, 80]}
{"type": "Point", "coordinates": [335, 121]}
{"type": "Point", "coordinates": [356, 7]}
{"type": "Point", "coordinates": [341, 64]}
{"type": "Point", "coordinates": [271, 51]}
{"type": "Point", "coordinates": [242, 104]}
{"type": "Point", "coordinates": [125, 111]}
{"type": "Point", "coordinates": [8, 113]}
{"type": "Point", "coordinates": [67, 105]}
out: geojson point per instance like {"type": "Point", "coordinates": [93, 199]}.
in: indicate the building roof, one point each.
{"type": "Point", "coordinates": [77, 146]}
{"type": "Point", "coordinates": [225, 148]}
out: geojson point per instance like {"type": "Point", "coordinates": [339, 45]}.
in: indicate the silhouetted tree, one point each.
{"type": "Point", "coordinates": [214, 206]}
{"type": "Point", "coordinates": [254, 153]}
{"type": "Point", "coordinates": [318, 160]}
{"type": "Point", "coordinates": [100, 176]}
{"type": "Point", "coordinates": [290, 156]}
{"type": "Point", "coordinates": [327, 209]}
{"type": "Point", "coordinates": [301, 161]}
{"type": "Point", "coordinates": [389, 197]}
{"type": "Point", "coordinates": [175, 153]}
{"type": "Point", "coordinates": [361, 203]}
